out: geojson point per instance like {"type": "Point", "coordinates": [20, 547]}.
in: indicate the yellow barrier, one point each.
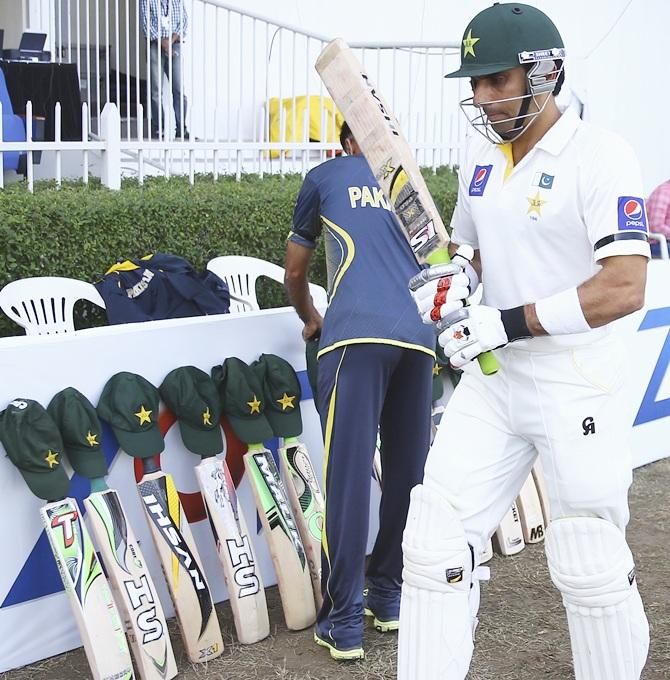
{"type": "Point", "coordinates": [316, 113]}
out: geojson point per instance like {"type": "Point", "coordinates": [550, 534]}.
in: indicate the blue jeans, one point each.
{"type": "Point", "coordinates": [159, 65]}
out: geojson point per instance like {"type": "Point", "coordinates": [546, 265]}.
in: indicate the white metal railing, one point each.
{"type": "Point", "coordinates": [245, 78]}
{"type": "Point", "coordinates": [662, 244]}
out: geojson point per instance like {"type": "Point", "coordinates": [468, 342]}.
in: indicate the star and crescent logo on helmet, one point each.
{"type": "Point", "coordinates": [469, 43]}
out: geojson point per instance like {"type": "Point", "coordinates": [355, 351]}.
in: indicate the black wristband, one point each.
{"type": "Point", "coordinates": [514, 323]}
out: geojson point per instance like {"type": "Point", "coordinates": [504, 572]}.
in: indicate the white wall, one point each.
{"type": "Point", "coordinates": [11, 20]}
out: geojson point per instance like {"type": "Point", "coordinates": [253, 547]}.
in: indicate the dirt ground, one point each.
{"type": "Point", "coordinates": [522, 633]}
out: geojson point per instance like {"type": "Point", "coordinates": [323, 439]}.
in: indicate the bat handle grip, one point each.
{"type": "Point", "coordinates": [487, 360]}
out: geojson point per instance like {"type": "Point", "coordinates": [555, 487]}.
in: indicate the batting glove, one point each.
{"type": "Point", "coordinates": [443, 289]}
{"type": "Point", "coordinates": [472, 330]}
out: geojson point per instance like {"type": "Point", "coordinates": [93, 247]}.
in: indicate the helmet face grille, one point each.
{"type": "Point", "coordinates": [541, 83]}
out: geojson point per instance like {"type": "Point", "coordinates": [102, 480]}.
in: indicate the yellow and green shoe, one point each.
{"type": "Point", "coordinates": [351, 654]}
{"type": "Point", "coordinates": [384, 623]}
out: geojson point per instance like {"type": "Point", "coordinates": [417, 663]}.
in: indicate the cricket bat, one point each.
{"type": "Point", "coordinates": [181, 564]}
{"type": "Point", "coordinates": [377, 463]}
{"type": "Point", "coordinates": [530, 512]}
{"type": "Point", "coordinates": [283, 537]}
{"type": "Point", "coordinates": [132, 585]}
{"type": "Point", "coordinates": [508, 537]}
{"type": "Point", "coordinates": [540, 486]}
{"type": "Point", "coordinates": [236, 554]}
{"type": "Point", "coordinates": [95, 613]}
{"type": "Point", "coordinates": [307, 504]}
{"type": "Point", "coordinates": [487, 553]}
{"type": "Point", "coordinates": [435, 417]}
{"type": "Point", "coordinates": [389, 156]}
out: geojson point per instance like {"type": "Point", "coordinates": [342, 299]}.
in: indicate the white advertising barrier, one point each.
{"type": "Point", "coordinates": [647, 337]}
{"type": "Point", "coordinates": [35, 618]}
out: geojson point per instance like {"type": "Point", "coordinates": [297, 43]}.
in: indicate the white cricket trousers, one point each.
{"type": "Point", "coordinates": [561, 403]}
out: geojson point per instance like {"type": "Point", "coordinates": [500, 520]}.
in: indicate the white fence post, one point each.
{"type": "Point", "coordinates": [110, 132]}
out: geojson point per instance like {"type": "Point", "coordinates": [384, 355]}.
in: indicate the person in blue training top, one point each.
{"type": "Point", "coordinates": [375, 363]}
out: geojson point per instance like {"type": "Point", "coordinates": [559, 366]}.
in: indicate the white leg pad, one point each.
{"type": "Point", "coordinates": [591, 564]}
{"type": "Point", "coordinates": [435, 636]}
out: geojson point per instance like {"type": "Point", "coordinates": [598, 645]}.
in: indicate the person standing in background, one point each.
{"type": "Point", "coordinates": [374, 373]}
{"type": "Point", "coordinates": [658, 212]}
{"type": "Point", "coordinates": [165, 22]}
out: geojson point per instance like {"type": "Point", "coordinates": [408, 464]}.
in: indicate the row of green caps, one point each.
{"type": "Point", "coordinates": [260, 401]}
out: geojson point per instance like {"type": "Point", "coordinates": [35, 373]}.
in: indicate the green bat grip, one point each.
{"type": "Point", "coordinates": [487, 360]}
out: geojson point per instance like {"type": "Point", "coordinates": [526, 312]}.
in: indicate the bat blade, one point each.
{"type": "Point", "coordinates": [385, 148]}
{"type": "Point", "coordinates": [235, 550]}
{"type": "Point", "coordinates": [283, 537]}
{"type": "Point", "coordinates": [377, 463]}
{"type": "Point", "coordinates": [530, 512]}
{"type": "Point", "coordinates": [508, 537]}
{"type": "Point", "coordinates": [132, 585]}
{"type": "Point", "coordinates": [307, 504]}
{"type": "Point", "coordinates": [181, 566]}
{"type": "Point", "coordinates": [389, 156]}
{"type": "Point", "coordinates": [540, 486]}
{"type": "Point", "coordinates": [435, 418]}
{"type": "Point", "coordinates": [487, 553]}
{"type": "Point", "coordinates": [95, 613]}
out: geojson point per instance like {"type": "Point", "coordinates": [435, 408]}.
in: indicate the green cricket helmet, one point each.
{"type": "Point", "coordinates": [503, 37]}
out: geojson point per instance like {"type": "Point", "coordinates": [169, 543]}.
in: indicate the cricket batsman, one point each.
{"type": "Point", "coordinates": [553, 209]}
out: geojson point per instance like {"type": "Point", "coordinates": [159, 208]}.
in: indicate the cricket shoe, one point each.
{"type": "Point", "coordinates": [385, 611]}
{"type": "Point", "coordinates": [339, 652]}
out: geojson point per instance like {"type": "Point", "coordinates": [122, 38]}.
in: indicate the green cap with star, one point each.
{"type": "Point", "coordinates": [281, 389]}
{"type": "Point", "coordinates": [80, 428]}
{"type": "Point", "coordinates": [505, 36]}
{"type": "Point", "coordinates": [440, 357]}
{"type": "Point", "coordinates": [312, 362]}
{"type": "Point", "coordinates": [438, 382]}
{"type": "Point", "coordinates": [193, 398]}
{"type": "Point", "coordinates": [242, 400]}
{"type": "Point", "coordinates": [129, 403]}
{"type": "Point", "coordinates": [34, 444]}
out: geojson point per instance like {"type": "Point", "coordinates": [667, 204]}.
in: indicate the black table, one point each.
{"type": "Point", "coordinates": [45, 84]}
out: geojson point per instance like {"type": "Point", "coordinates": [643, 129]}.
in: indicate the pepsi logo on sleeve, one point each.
{"type": "Point", "coordinates": [631, 213]}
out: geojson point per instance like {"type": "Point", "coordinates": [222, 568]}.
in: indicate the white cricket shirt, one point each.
{"type": "Point", "coordinates": [541, 226]}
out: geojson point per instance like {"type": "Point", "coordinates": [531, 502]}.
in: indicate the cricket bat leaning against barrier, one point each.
{"type": "Point", "coordinates": [530, 512]}
{"type": "Point", "coordinates": [389, 155]}
{"type": "Point", "coordinates": [540, 486]}
{"type": "Point", "coordinates": [487, 553]}
{"type": "Point", "coordinates": [87, 589]}
{"type": "Point", "coordinates": [133, 587]}
{"type": "Point", "coordinates": [508, 537]}
{"type": "Point", "coordinates": [283, 537]}
{"type": "Point", "coordinates": [307, 504]}
{"type": "Point", "coordinates": [240, 567]}
{"type": "Point", "coordinates": [181, 564]}
{"type": "Point", "coordinates": [377, 463]}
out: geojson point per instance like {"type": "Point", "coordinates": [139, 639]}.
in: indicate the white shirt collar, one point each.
{"type": "Point", "coordinates": [560, 133]}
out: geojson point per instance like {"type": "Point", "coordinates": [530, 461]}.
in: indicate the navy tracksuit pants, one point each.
{"type": "Point", "coordinates": [362, 387]}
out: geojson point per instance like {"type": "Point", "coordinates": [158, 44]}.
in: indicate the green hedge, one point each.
{"type": "Point", "coordinates": [80, 230]}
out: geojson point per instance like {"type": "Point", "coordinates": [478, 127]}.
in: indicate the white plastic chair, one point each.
{"type": "Point", "coordinates": [43, 304]}
{"type": "Point", "coordinates": [241, 273]}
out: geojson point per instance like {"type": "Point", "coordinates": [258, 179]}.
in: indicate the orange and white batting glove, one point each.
{"type": "Point", "coordinates": [443, 288]}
